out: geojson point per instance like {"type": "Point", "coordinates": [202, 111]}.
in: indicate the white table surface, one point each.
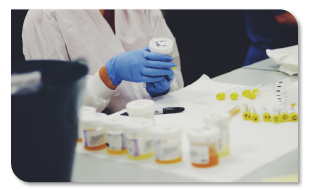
{"type": "Point", "coordinates": [91, 169]}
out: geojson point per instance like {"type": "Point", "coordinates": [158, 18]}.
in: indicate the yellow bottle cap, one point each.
{"type": "Point", "coordinates": [293, 117]}
{"type": "Point", "coordinates": [276, 118]}
{"type": "Point", "coordinates": [284, 117]}
{"type": "Point", "coordinates": [173, 68]}
{"type": "Point", "coordinates": [255, 117]}
{"type": "Point", "coordinates": [221, 96]}
{"type": "Point", "coordinates": [246, 93]}
{"type": "Point", "coordinates": [252, 95]}
{"type": "Point", "coordinates": [293, 104]}
{"type": "Point", "coordinates": [246, 115]}
{"type": "Point", "coordinates": [266, 117]}
{"type": "Point", "coordinates": [234, 96]}
{"type": "Point", "coordinates": [255, 90]}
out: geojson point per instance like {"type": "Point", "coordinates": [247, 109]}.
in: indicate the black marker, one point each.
{"type": "Point", "coordinates": [164, 111]}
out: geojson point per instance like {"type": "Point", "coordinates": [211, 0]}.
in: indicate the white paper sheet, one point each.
{"type": "Point", "coordinates": [252, 144]}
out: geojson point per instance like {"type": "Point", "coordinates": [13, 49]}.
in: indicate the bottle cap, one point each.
{"type": "Point", "coordinates": [252, 95]}
{"type": "Point", "coordinates": [221, 96]}
{"type": "Point", "coordinates": [276, 118]}
{"type": "Point", "coordinates": [234, 96]}
{"type": "Point", "coordinates": [161, 45]}
{"type": "Point", "coordinates": [266, 117]}
{"type": "Point", "coordinates": [204, 134]}
{"type": "Point", "coordinates": [143, 107]}
{"type": "Point", "coordinates": [113, 123]}
{"type": "Point", "coordinates": [85, 110]}
{"type": "Point", "coordinates": [247, 115]}
{"type": "Point", "coordinates": [255, 117]}
{"type": "Point", "coordinates": [293, 117]}
{"type": "Point", "coordinates": [216, 118]}
{"type": "Point", "coordinates": [92, 120]}
{"type": "Point", "coordinates": [246, 92]}
{"type": "Point", "coordinates": [166, 131]}
{"type": "Point", "coordinates": [138, 127]}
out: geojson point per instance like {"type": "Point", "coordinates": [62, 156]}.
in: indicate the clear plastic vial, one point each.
{"type": "Point", "coordinates": [85, 110]}
{"type": "Point", "coordinates": [167, 140]}
{"type": "Point", "coordinates": [276, 117]}
{"type": "Point", "coordinates": [141, 109]}
{"type": "Point", "coordinates": [255, 116]}
{"type": "Point", "coordinates": [265, 114]}
{"type": "Point", "coordinates": [221, 120]}
{"type": "Point", "coordinates": [93, 132]}
{"type": "Point", "coordinates": [204, 146]}
{"type": "Point", "coordinates": [246, 112]}
{"type": "Point", "coordinates": [138, 139]}
{"type": "Point", "coordinates": [284, 117]}
{"type": "Point", "coordinates": [114, 135]}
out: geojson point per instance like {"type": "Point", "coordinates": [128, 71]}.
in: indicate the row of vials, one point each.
{"type": "Point", "coordinates": [279, 113]}
{"type": "Point", "coordinates": [250, 92]}
{"type": "Point", "coordinates": [139, 137]}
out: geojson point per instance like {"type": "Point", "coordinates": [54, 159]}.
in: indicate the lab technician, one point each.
{"type": "Point", "coordinates": [269, 29]}
{"type": "Point", "coordinates": [114, 44]}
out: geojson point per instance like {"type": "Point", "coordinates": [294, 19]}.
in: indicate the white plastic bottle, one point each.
{"type": "Point", "coordinates": [141, 109]}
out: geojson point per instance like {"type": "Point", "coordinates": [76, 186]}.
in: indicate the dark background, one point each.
{"type": "Point", "coordinates": [210, 42]}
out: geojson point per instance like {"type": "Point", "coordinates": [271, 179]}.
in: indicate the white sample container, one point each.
{"type": "Point", "coordinates": [93, 132]}
{"type": "Point", "coordinates": [161, 45]}
{"type": "Point", "coordinates": [85, 110]}
{"type": "Point", "coordinates": [167, 141]}
{"type": "Point", "coordinates": [114, 135]}
{"type": "Point", "coordinates": [221, 120]}
{"type": "Point", "coordinates": [138, 139]}
{"type": "Point", "coordinates": [141, 109]}
{"type": "Point", "coordinates": [204, 146]}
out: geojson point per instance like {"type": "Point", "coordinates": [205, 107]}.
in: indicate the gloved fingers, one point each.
{"type": "Point", "coordinates": [165, 82]}
{"type": "Point", "coordinates": [150, 79]}
{"type": "Point", "coordinates": [159, 64]}
{"type": "Point", "coordinates": [160, 87]}
{"type": "Point", "coordinates": [155, 72]}
{"type": "Point", "coordinates": [146, 48]}
{"type": "Point", "coordinates": [157, 56]}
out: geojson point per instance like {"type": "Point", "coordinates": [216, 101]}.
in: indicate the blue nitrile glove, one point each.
{"type": "Point", "coordinates": [161, 87]}
{"type": "Point", "coordinates": [139, 66]}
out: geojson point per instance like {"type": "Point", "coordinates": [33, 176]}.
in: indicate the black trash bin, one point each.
{"type": "Point", "coordinates": [44, 123]}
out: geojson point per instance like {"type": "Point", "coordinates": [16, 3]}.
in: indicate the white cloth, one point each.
{"type": "Point", "coordinates": [74, 34]}
{"type": "Point", "coordinates": [287, 58]}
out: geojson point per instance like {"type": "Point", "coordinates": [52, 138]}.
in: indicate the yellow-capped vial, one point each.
{"type": "Point", "coordinates": [284, 117]}
{"type": "Point", "coordinates": [222, 95]}
{"type": "Point", "coordinates": [167, 140]}
{"type": "Point", "coordinates": [235, 95]}
{"type": "Point", "coordinates": [138, 139]}
{"type": "Point", "coordinates": [293, 116]}
{"type": "Point", "coordinates": [247, 92]}
{"type": "Point", "coordinates": [255, 116]}
{"type": "Point", "coordinates": [265, 90]}
{"type": "Point", "coordinates": [293, 104]}
{"type": "Point", "coordinates": [246, 112]}
{"type": "Point", "coordinates": [114, 135]}
{"type": "Point", "coordinates": [234, 110]}
{"type": "Point", "coordinates": [276, 117]}
{"type": "Point", "coordinates": [265, 114]}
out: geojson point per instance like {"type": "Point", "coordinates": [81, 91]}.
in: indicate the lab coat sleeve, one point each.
{"type": "Point", "coordinates": [160, 29]}
{"type": "Point", "coordinates": [42, 39]}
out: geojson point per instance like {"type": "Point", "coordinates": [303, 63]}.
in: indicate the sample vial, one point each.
{"type": "Point", "coordinates": [220, 120]}
{"type": "Point", "coordinates": [262, 91]}
{"type": "Point", "coordinates": [204, 146]}
{"type": "Point", "coordinates": [167, 140]}
{"type": "Point", "coordinates": [161, 45]}
{"type": "Point", "coordinates": [255, 116]}
{"type": "Point", "coordinates": [234, 110]}
{"type": "Point", "coordinates": [235, 95]}
{"type": "Point", "coordinates": [222, 95]}
{"type": "Point", "coordinates": [276, 117]}
{"type": "Point", "coordinates": [85, 110]}
{"type": "Point", "coordinates": [293, 116]}
{"type": "Point", "coordinates": [114, 135]}
{"type": "Point", "coordinates": [93, 132]}
{"type": "Point", "coordinates": [284, 117]}
{"type": "Point", "coordinates": [247, 92]}
{"type": "Point", "coordinates": [138, 139]}
{"type": "Point", "coordinates": [265, 114]}
{"type": "Point", "coordinates": [141, 109]}
{"type": "Point", "coordinates": [246, 112]}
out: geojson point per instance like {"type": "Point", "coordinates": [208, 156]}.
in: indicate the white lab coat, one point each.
{"type": "Point", "coordinates": [74, 34]}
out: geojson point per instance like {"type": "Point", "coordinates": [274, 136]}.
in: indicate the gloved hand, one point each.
{"type": "Point", "coordinates": [161, 87]}
{"type": "Point", "coordinates": [139, 66]}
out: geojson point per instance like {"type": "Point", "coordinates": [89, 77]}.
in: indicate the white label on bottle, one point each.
{"type": "Point", "coordinates": [199, 154]}
{"type": "Point", "coordinates": [115, 141]}
{"type": "Point", "coordinates": [141, 146]}
{"type": "Point", "coordinates": [168, 150]}
{"type": "Point", "coordinates": [94, 138]}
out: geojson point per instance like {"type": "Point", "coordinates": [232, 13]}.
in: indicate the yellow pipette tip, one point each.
{"type": "Point", "coordinates": [284, 117]}
{"type": "Point", "coordinates": [173, 68]}
{"type": "Point", "coordinates": [293, 104]}
{"type": "Point", "coordinates": [266, 117]}
{"type": "Point", "coordinates": [255, 90]}
{"type": "Point", "coordinates": [293, 117]}
{"type": "Point", "coordinates": [255, 117]}
{"type": "Point", "coordinates": [246, 115]}
{"type": "Point", "coordinates": [276, 118]}
{"type": "Point", "coordinates": [246, 92]}
{"type": "Point", "coordinates": [221, 96]}
{"type": "Point", "coordinates": [234, 96]}
{"type": "Point", "coordinates": [252, 95]}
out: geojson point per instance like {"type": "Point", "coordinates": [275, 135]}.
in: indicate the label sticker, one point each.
{"type": "Point", "coordinates": [137, 147]}
{"type": "Point", "coordinates": [115, 141]}
{"type": "Point", "coordinates": [94, 138]}
{"type": "Point", "coordinates": [200, 154]}
{"type": "Point", "coordinates": [168, 150]}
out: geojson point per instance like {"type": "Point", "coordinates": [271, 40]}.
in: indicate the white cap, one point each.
{"type": "Point", "coordinates": [166, 132]}
{"type": "Point", "coordinates": [138, 127]}
{"type": "Point", "coordinates": [92, 120]}
{"type": "Point", "coordinates": [161, 45]}
{"type": "Point", "coordinates": [113, 123]}
{"type": "Point", "coordinates": [141, 108]}
{"type": "Point", "coordinates": [204, 134]}
{"type": "Point", "coordinates": [216, 118]}
{"type": "Point", "coordinates": [85, 110]}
